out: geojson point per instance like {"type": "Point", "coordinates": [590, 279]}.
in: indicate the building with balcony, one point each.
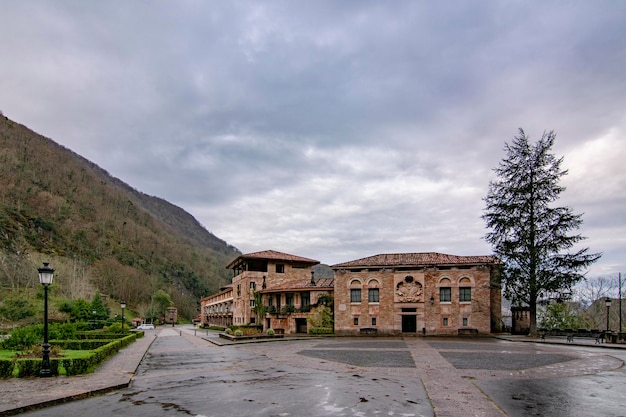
{"type": "Point", "coordinates": [285, 286]}
{"type": "Point", "coordinates": [217, 309]}
{"type": "Point", "coordinates": [388, 294]}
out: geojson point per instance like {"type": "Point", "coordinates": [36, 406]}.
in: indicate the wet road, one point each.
{"type": "Point", "coordinates": [183, 375]}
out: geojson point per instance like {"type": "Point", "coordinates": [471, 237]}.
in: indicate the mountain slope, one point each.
{"type": "Point", "coordinates": [99, 233]}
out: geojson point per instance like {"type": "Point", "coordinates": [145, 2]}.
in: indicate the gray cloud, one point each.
{"type": "Point", "coordinates": [330, 130]}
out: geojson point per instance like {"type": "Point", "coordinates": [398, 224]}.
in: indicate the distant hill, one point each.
{"type": "Point", "coordinates": [99, 233]}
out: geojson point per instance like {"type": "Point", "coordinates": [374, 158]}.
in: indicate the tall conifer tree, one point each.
{"type": "Point", "coordinates": [534, 240]}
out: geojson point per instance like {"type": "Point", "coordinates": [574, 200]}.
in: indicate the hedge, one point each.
{"type": "Point", "coordinates": [70, 366]}
{"type": "Point", "coordinates": [320, 330]}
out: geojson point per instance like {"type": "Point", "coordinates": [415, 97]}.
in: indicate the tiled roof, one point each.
{"type": "Point", "coordinates": [415, 259]}
{"type": "Point", "coordinates": [274, 255]}
{"type": "Point", "coordinates": [302, 284]}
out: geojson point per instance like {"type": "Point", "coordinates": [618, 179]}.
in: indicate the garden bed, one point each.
{"type": "Point", "coordinates": [250, 337]}
{"type": "Point", "coordinates": [72, 362]}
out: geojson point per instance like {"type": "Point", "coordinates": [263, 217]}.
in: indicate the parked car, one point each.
{"type": "Point", "coordinates": [145, 326]}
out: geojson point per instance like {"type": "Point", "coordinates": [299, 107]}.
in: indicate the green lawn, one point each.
{"type": "Point", "coordinates": [70, 354]}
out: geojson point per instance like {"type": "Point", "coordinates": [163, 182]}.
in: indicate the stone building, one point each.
{"type": "Point", "coordinates": [217, 309]}
{"type": "Point", "coordinates": [170, 316]}
{"type": "Point", "coordinates": [283, 283]}
{"type": "Point", "coordinates": [417, 293]}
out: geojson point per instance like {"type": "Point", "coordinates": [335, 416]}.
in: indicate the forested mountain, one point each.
{"type": "Point", "coordinates": [99, 234]}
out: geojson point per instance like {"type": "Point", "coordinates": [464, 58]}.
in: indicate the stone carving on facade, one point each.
{"type": "Point", "coordinates": [409, 290]}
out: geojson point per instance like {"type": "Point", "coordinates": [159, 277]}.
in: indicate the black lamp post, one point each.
{"type": "Point", "coordinates": [607, 303]}
{"type": "Point", "coordinates": [93, 317]}
{"type": "Point", "coordinates": [123, 305]}
{"type": "Point", "coordinates": [46, 274]}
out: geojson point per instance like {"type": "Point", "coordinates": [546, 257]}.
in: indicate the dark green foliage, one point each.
{"type": "Point", "coordinates": [16, 309]}
{"type": "Point", "coordinates": [102, 312]}
{"type": "Point", "coordinates": [259, 309]}
{"type": "Point", "coordinates": [532, 238]}
{"type": "Point", "coordinates": [321, 330]}
{"type": "Point", "coordinates": [23, 337]}
{"type": "Point", "coordinates": [101, 350]}
{"type": "Point", "coordinates": [27, 336]}
{"type": "Point", "coordinates": [287, 309]}
{"type": "Point", "coordinates": [161, 300]}
{"type": "Point", "coordinates": [79, 310]}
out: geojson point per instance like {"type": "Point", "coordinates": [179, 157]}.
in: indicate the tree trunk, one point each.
{"type": "Point", "coordinates": [533, 318]}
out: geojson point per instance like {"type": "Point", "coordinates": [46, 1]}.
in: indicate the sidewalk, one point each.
{"type": "Point", "coordinates": [23, 394]}
{"type": "Point", "coordinates": [561, 340]}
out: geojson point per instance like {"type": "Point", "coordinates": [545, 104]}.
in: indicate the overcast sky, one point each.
{"type": "Point", "coordinates": [330, 130]}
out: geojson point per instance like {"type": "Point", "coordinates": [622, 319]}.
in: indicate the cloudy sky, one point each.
{"type": "Point", "coordinates": [331, 130]}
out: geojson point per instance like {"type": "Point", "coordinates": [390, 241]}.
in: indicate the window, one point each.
{"type": "Point", "coordinates": [355, 295]}
{"type": "Point", "coordinates": [289, 299]}
{"type": "Point", "coordinates": [465, 322]}
{"type": "Point", "coordinates": [253, 285]}
{"type": "Point", "coordinates": [251, 303]}
{"type": "Point", "coordinates": [305, 299]}
{"type": "Point", "coordinates": [356, 321]}
{"type": "Point", "coordinates": [280, 268]}
{"type": "Point", "coordinates": [465, 294]}
{"type": "Point", "coordinates": [445, 321]}
{"type": "Point", "coordinates": [373, 321]}
{"type": "Point", "coordinates": [373, 295]}
{"type": "Point", "coordinates": [445, 294]}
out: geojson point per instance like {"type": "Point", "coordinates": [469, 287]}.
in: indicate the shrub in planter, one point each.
{"type": "Point", "coordinates": [228, 331]}
{"type": "Point", "coordinates": [270, 332]}
{"type": "Point", "coordinates": [320, 330]}
{"type": "Point", "coordinates": [238, 333]}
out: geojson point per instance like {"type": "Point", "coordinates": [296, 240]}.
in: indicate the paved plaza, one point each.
{"type": "Point", "coordinates": [185, 371]}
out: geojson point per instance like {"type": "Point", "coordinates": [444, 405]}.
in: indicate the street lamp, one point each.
{"type": "Point", "coordinates": [607, 303]}
{"type": "Point", "coordinates": [46, 274]}
{"type": "Point", "coordinates": [123, 305]}
{"type": "Point", "coordinates": [93, 312]}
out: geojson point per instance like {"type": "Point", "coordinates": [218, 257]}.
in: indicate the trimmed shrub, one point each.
{"type": "Point", "coordinates": [320, 330]}
{"type": "Point", "coordinates": [22, 367]}
{"type": "Point", "coordinates": [270, 332]}
{"type": "Point", "coordinates": [238, 333]}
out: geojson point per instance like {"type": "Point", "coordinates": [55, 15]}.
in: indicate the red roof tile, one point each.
{"type": "Point", "coordinates": [301, 284]}
{"type": "Point", "coordinates": [415, 259]}
{"type": "Point", "coordinates": [274, 255]}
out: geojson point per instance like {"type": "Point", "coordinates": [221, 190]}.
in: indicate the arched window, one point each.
{"type": "Point", "coordinates": [465, 290]}
{"type": "Point", "coordinates": [445, 290]}
{"type": "Point", "coordinates": [373, 291]}
{"type": "Point", "coordinates": [355, 291]}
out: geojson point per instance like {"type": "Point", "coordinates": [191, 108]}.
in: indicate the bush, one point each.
{"type": "Point", "coordinates": [320, 330]}
{"type": "Point", "coordinates": [238, 333]}
{"type": "Point", "coordinates": [228, 331]}
{"type": "Point", "coordinates": [270, 332]}
{"type": "Point", "coordinates": [116, 328]}
{"type": "Point", "coordinates": [102, 349]}
{"type": "Point", "coordinates": [23, 338]}
{"type": "Point", "coordinates": [287, 310]}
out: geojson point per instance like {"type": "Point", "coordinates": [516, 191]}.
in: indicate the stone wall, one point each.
{"type": "Point", "coordinates": [409, 301]}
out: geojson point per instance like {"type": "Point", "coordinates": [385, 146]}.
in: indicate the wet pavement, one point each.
{"type": "Point", "coordinates": [188, 372]}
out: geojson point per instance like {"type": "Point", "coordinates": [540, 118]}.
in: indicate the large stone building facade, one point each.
{"type": "Point", "coordinates": [283, 283]}
{"type": "Point", "coordinates": [417, 293]}
{"type": "Point", "coordinates": [389, 294]}
{"type": "Point", "coordinates": [217, 309]}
